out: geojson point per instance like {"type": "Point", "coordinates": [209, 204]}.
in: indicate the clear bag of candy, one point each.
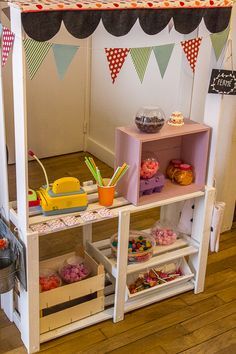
{"type": "Point", "coordinates": [74, 269]}
{"type": "Point", "coordinates": [163, 233]}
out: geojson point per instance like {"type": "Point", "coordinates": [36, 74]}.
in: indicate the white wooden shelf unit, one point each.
{"type": "Point", "coordinates": [195, 248]}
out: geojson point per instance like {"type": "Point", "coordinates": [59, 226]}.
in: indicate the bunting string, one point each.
{"type": "Point", "coordinates": [36, 53]}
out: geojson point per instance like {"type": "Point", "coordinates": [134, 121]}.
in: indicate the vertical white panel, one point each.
{"type": "Point", "coordinates": [29, 300]}
{"type": "Point", "coordinates": [6, 299]}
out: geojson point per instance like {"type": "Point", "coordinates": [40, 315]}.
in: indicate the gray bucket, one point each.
{"type": "Point", "coordinates": [7, 273]}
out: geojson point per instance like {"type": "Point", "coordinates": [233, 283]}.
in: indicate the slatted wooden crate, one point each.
{"type": "Point", "coordinates": [71, 302]}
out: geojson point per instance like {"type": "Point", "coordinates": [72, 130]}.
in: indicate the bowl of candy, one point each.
{"type": "Point", "coordinates": [74, 269]}
{"type": "Point", "coordinates": [163, 234]}
{"type": "Point", "coordinates": [140, 246]}
{"type": "Point", "coordinates": [48, 280]}
{"type": "Point", "coordinates": [150, 119]}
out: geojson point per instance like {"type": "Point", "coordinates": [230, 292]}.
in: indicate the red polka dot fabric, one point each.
{"type": "Point", "coordinates": [7, 43]}
{"type": "Point", "coordinates": [116, 58]}
{"type": "Point", "coordinates": [191, 49]}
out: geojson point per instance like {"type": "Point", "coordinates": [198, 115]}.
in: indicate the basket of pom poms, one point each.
{"type": "Point", "coordinates": [140, 246]}
{"type": "Point", "coordinates": [74, 269]}
{"type": "Point", "coordinates": [49, 279]}
{"type": "Point", "coordinates": [163, 234]}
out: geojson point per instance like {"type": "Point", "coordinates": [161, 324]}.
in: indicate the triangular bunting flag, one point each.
{"type": "Point", "coordinates": [63, 55]}
{"type": "Point", "coordinates": [218, 41]}
{"type": "Point", "coordinates": [7, 13]}
{"type": "Point", "coordinates": [7, 43]}
{"type": "Point", "coordinates": [116, 58]}
{"type": "Point", "coordinates": [191, 49]}
{"type": "Point", "coordinates": [140, 58]}
{"type": "Point", "coordinates": [163, 54]}
{"type": "Point", "coordinates": [35, 53]}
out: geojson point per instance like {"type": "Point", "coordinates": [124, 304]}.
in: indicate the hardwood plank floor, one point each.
{"type": "Point", "coordinates": [188, 323]}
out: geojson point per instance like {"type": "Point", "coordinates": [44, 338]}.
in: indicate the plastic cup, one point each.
{"type": "Point", "coordinates": [106, 193]}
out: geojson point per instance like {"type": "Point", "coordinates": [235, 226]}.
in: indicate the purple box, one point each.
{"type": "Point", "coordinates": [152, 185]}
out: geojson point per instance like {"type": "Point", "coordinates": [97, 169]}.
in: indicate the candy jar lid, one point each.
{"type": "Point", "coordinates": [185, 167]}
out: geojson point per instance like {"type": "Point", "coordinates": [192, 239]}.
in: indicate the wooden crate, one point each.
{"type": "Point", "coordinates": [71, 302]}
{"type": "Point", "coordinates": [189, 143]}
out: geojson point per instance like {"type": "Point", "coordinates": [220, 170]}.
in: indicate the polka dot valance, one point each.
{"type": "Point", "coordinates": [42, 19]}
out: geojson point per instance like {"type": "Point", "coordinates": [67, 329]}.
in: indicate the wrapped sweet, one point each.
{"type": "Point", "coordinates": [74, 270]}
{"type": "Point", "coordinates": [49, 280]}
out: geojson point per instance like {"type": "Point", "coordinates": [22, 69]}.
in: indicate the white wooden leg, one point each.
{"type": "Point", "coordinates": [87, 234]}
{"type": "Point", "coordinates": [6, 299]}
{"type": "Point", "coordinates": [201, 233]}
{"type": "Point", "coordinates": [122, 258]}
{"type": "Point", "coordinates": [29, 300]}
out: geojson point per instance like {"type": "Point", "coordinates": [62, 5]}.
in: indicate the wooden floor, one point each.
{"type": "Point", "coordinates": [188, 323]}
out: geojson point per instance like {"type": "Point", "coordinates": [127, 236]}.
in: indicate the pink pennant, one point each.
{"type": "Point", "coordinates": [116, 58]}
{"type": "Point", "coordinates": [191, 49]}
{"type": "Point", "coordinates": [7, 43]}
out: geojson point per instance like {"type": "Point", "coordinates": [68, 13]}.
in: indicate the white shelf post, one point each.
{"type": "Point", "coordinates": [122, 258]}
{"type": "Point", "coordinates": [201, 233]}
{"type": "Point", "coordinates": [6, 299]}
{"type": "Point", "coordinates": [29, 300]}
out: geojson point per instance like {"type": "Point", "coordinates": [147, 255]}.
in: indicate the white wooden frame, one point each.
{"type": "Point", "coordinates": [28, 323]}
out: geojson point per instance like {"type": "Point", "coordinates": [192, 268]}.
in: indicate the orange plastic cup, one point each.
{"type": "Point", "coordinates": [106, 194]}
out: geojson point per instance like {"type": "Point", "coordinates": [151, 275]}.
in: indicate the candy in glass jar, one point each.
{"type": "Point", "coordinates": [184, 175]}
{"type": "Point", "coordinates": [172, 167]}
{"type": "Point", "coordinates": [149, 167]}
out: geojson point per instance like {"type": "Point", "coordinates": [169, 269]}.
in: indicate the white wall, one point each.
{"type": "Point", "coordinates": [56, 108]}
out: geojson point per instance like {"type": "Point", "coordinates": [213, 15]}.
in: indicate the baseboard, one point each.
{"type": "Point", "coordinates": [100, 151]}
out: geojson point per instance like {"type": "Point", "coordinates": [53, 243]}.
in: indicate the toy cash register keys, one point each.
{"type": "Point", "coordinates": [62, 196]}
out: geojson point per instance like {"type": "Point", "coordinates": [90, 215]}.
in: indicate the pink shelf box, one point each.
{"type": "Point", "coordinates": [189, 143]}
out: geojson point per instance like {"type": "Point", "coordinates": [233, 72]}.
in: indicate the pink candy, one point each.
{"type": "Point", "coordinates": [164, 236]}
{"type": "Point", "coordinates": [149, 168]}
{"type": "Point", "coordinates": [71, 273]}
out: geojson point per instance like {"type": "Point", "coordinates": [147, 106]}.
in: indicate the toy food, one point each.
{"type": "Point", "coordinates": [49, 280]}
{"type": "Point", "coordinates": [176, 119]}
{"type": "Point", "coordinates": [149, 168]}
{"type": "Point", "coordinates": [150, 119]}
{"type": "Point", "coordinates": [154, 277]}
{"type": "Point", "coordinates": [184, 175]}
{"type": "Point", "coordinates": [140, 246]}
{"type": "Point", "coordinates": [3, 243]}
{"type": "Point", "coordinates": [74, 270]}
{"type": "Point", "coordinates": [163, 234]}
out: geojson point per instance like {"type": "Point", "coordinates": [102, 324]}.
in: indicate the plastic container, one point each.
{"type": "Point", "coordinates": [163, 234]}
{"type": "Point", "coordinates": [184, 175]}
{"type": "Point", "coordinates": [48, 280]}
{"type": "Point", "coordinates": [150, 119]}
{"type": "Point", "coordinates": [149, 167]}
{"type": "Point", "coordinates": [136, 255]}
{"type": "Point", "coordinates": [73, 270]}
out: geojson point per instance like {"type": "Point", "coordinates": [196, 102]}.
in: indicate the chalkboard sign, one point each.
{"type": "Point", "coordinates": [223, 82]}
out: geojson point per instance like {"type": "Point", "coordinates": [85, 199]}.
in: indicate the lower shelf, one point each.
{"type": "Point", "coordinates": [101, 251]}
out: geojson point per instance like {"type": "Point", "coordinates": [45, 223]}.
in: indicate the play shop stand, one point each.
{"type": "Point", "coordinates": [106, 294]}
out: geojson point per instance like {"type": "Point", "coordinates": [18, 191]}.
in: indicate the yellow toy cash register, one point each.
{"type": "Point", "coordinates": [65, 195]}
